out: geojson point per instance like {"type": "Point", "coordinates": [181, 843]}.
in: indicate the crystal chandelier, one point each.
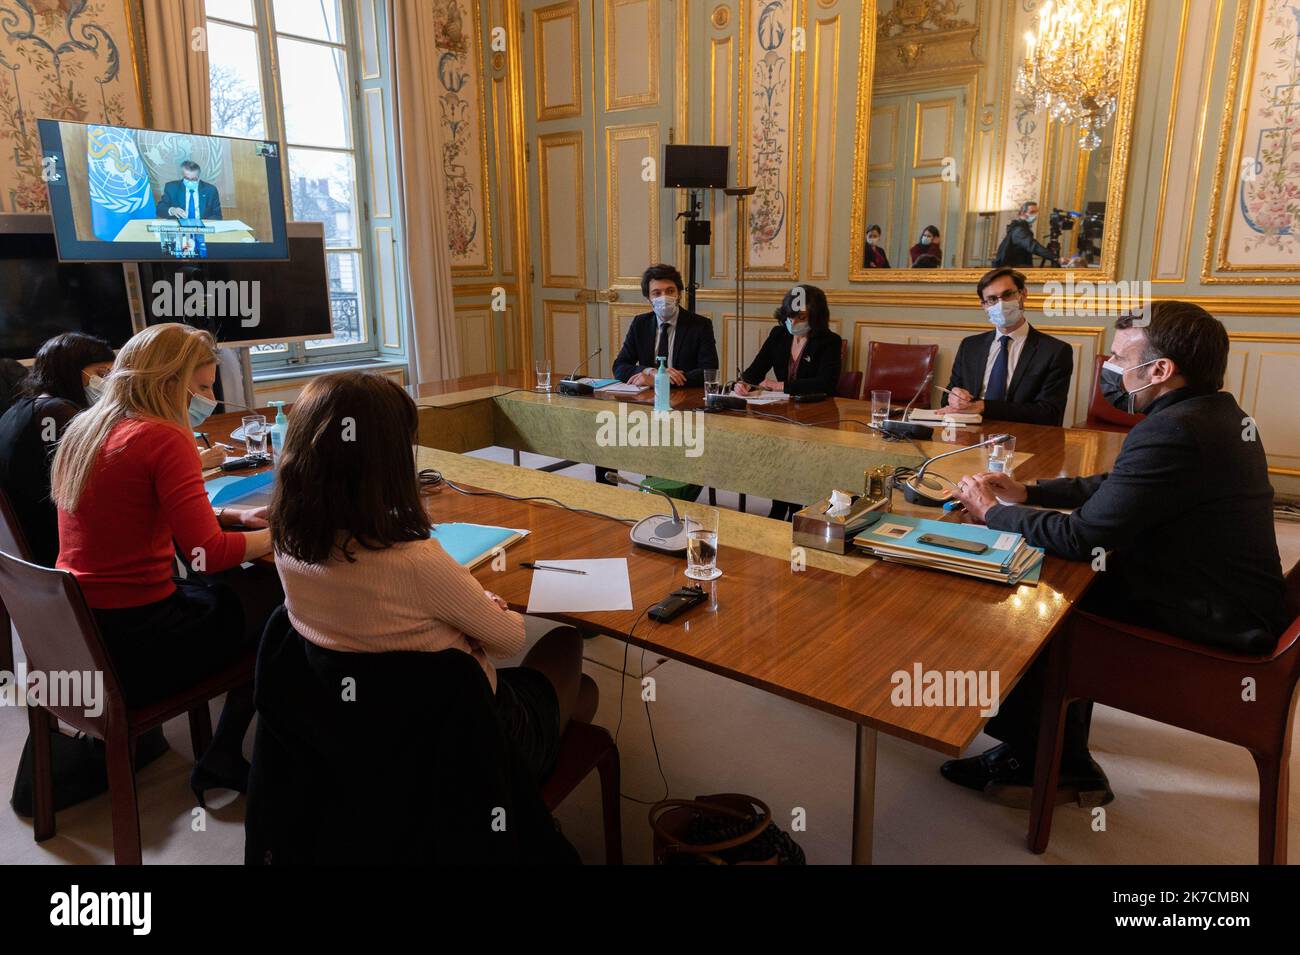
{"type": "Point", "coordinates": [1072, 67]}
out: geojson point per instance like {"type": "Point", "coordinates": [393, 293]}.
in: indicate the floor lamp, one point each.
{"type": "Point", "coordinates": [741, 193]}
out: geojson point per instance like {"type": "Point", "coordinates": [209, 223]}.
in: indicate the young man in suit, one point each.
{"type": "Point", "coordinates": [686, 339]}
{"type": "Point", "coordinates": [189, 197]}
{"type": "Point", "coordinates": [1184, 518]}
{"type": "Point", "coordinates": [1014, 372]}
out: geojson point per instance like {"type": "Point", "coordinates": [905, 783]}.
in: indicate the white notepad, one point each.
{"type": "Point", "coordinates": [605, 586]}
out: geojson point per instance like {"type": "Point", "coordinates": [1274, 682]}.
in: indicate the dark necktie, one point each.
{"type": "Point", "coordinates": [192, 211]}
{"type": "Point", "coordinates": [997, 389]}
{"type": "Point", "coordinates": [662, 350]}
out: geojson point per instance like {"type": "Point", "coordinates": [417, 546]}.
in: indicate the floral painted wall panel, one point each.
{"type": "Point", "coordinates": [459, 91]}
{"type": "Point", "coordinates": [1025, 133]}
{"type": "Point", "coordinates": [773, 86]}
{"type": "Point", "coordinates": [1264, 217]}
{"type": "Point", "coordinates": [59, 59]}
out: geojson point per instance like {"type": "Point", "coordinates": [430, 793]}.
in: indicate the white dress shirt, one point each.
{"type": "Point", "coordinates": [1013, 354]}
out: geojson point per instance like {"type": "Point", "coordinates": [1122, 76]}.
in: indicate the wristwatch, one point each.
{"type": "Point", "coordinates": [221, 512]}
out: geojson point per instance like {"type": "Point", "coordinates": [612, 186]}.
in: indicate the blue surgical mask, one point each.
{"type": "Point", "coordinates": [191, 184]}
{"type": "Point", "coordinates": [665, 308]}
{"type": "Point", "coordinates": [798, 329]}
{"type": "Point", "coordinates": [1032, 219]}
{"type": "Point", "coordinates": [199, 409]}
{"type": "Point", "coordinates": [94, 389]}
{"type": "Point", "coordinates": [925, 240]}
{"type": "Point", "coordinates": [1004, 313]}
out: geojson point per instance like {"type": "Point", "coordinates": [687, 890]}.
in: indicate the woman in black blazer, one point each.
{"type": "Point", "coordinates": [801, 354]}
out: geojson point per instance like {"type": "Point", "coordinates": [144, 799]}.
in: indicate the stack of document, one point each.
{"type": "Point", "coordinates": [942, 416]}
{"type": "Point", "coordinates": [471, 544]}
{"type": "Point", "coordinates": [764, 397]}
{"type": "Point", "coordinates": [1005, 557]}
{"type": "Point", "coordinates": [616, 387]}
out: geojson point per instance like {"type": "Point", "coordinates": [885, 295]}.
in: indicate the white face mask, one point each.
{"type": "Point", "coordinates": [925, 240]}
{"type": "Point", "coordinates": [94, 389]}
{"type": "Point", "coordinates": [1031, 219]}
{"type": "Point", "coordinates": [665, 308]}
{"type": "Point", "coordinates": [872, 239]}
{"type": "Point", "coordinates": [1004, 313]}
{"type": "Point", "coordinates": [1116, 368]}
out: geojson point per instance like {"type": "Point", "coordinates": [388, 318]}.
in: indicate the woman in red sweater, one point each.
{"type": "Point", "coordinates": [129, 490]}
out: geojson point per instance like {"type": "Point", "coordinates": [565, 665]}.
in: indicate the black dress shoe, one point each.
{"type": "Point", "coordinates": [1001, 774]}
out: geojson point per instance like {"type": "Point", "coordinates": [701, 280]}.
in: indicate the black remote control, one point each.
{"type": "Point", "coordinates": [247, 461]}
{"type": "Point", "coordinates": [676, 602]}
{"type": "Point", "coordinates": [810, 397]}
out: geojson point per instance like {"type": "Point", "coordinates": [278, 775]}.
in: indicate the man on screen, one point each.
{"type": "Point", "coordinates": [189, 197]}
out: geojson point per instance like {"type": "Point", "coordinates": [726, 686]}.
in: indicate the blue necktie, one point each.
{"type": "Point", "coordinates": [997, 389]}
{"type": "Point", "coordinates": [192, 212]}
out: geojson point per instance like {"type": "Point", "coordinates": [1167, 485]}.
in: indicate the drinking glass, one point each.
{"type": "Point", "coordinates": [544, 375]}
{"type": "Point", "coordinates": [879, 407]}
{"type": "Point", "coordinates": [712, 382]}
{"type": "Point", "coordinates": [254, 433]}
{"type": "Point", "coordinates": [702, 543]}
{"type": "Point", "coordinates": [998, 457]}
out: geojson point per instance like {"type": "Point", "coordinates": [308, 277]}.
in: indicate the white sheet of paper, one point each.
{"type": "Point", "coordinates": [606, 586]}
{"type": "Point", "coordinates": [621, 388]}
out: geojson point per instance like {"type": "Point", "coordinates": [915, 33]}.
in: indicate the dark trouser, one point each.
{"type": "Point", "coordinates": [1018, 717]}
{"type": "Point", "coordinates": [159, 649]}
{"type": "Point", "coordinates": [783, 510]}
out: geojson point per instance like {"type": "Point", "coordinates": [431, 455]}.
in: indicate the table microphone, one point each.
{"type": "Point", "coordinates": [903, 428]}
{"type": "Point", "coordinates": [930, 490]}
{"type": "Point", "coordinates": [572, 386]}
{"type": "Point", "coordinates": [658, 531]}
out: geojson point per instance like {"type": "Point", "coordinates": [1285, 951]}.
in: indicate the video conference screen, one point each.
{"type": "Point", "coordinates": [124, 194]}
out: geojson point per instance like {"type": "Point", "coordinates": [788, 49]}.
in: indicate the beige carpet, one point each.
{"type": "Point", "coordinates": [1180, 798]}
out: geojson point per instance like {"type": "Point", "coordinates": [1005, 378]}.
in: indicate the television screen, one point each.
{"type": "Point", "coordinates": [246, 303]}
{"type": "Point", "coordinates": [41, 297]}
{"type": "Point", "coordinates": [122, 194]}
{"type": "Point", "coordinates": [695, 167]}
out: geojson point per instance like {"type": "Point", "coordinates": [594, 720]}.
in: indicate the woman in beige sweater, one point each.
{"type": "Point", "coordinates": [362, 574]}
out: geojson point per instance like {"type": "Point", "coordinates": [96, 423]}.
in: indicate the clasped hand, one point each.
{"type": "Point", "coordinates": [979, 492]}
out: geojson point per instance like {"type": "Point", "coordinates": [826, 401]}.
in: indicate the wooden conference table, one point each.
{"type": "Point", "coordinates": [829, 634]}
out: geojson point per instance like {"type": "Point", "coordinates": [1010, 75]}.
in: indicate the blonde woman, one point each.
{"type": "Point", "coordinates": [128, 487]}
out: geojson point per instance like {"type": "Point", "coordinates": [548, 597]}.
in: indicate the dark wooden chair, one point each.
{"type": "Point", "coordinates": [899, 369]}
{"type": "Point", "coordinates": [585, 747]}
{"type": "Point", "coordinates": [59, 634]}
{"type": "Point", "coordinates": [850, 382]}
{"type": "Point", "coordinates": [1102, 415]}
{"type": "Point", "coordinates": [1188, 685]}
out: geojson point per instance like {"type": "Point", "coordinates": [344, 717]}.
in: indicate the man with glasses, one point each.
{"type": "Point", "coordinates": [1014, 372]}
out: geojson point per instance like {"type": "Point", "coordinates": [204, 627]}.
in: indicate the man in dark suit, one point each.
{"type": "Point", "coordinates": [1181, 528]}
{"type": "Point", "coordinates": [685, 338]}
{"type": "Point", "coordinates": [189, 197]}
{"type": "Point", "coordinates": [1015, 372]}
{"type": "Point", "coordinates": [1019, 246]}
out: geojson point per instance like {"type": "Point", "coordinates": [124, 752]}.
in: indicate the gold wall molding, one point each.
{"type": "Point", "coordinates": [1217, 227]}
{"type": "Point", "coordinates": [550, 308]}
{"type": "Point", "coordinates": [828, 104]}
{"type": "Point", "coordinates": [650, 97]}
{"type": "Point", "coordinates": [546, 109]}
{"type": "Point", "coordinates": [578, 235]}
{"type": "Point", "coordinates": [649, 133]}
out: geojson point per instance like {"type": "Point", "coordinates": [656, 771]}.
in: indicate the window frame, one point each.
{"type": "Point", "coordinates": [296, 354]}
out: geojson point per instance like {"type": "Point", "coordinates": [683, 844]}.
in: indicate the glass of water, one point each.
{"type": "Point", "coordinates": [712, 382]}
{"type": "Point", "coordinates": [879, 407]}
{"type": "Point", "coordinates": [998, 457]}
{"type": "Point", "coordinates": [255, 433]}
{"type": "Point", "coordinates": [702, 543]}
{"type": "Point", "coordinates": [544, 375]}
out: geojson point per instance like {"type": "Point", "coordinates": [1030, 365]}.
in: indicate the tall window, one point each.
{"type": "Point", "coordinates": [280, 69]}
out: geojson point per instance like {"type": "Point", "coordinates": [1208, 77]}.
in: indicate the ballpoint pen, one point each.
{"type": "Point", "coordinates": [563, 570]}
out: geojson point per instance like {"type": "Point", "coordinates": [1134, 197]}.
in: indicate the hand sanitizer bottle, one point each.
{"type": "Point", "coordinates": [662, 386]}
{"type": "Point", "coordinates": [278, 429]}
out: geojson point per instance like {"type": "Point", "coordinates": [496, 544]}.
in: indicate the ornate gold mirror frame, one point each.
{"type": "Point", "coordinates": [1115, 188]}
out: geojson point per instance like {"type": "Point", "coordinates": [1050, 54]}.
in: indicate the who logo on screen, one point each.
{"type": "Point", "coordinates": [118, 183]}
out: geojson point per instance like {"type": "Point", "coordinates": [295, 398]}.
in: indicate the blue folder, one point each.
{"type": "Point", "coordinates": [231, 489]}
{"type": "Point", "coordinates": [470, 544]}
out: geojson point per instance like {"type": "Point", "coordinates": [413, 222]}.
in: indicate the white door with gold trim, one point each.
{"type": "Point", "coordinates": [598, 109]}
